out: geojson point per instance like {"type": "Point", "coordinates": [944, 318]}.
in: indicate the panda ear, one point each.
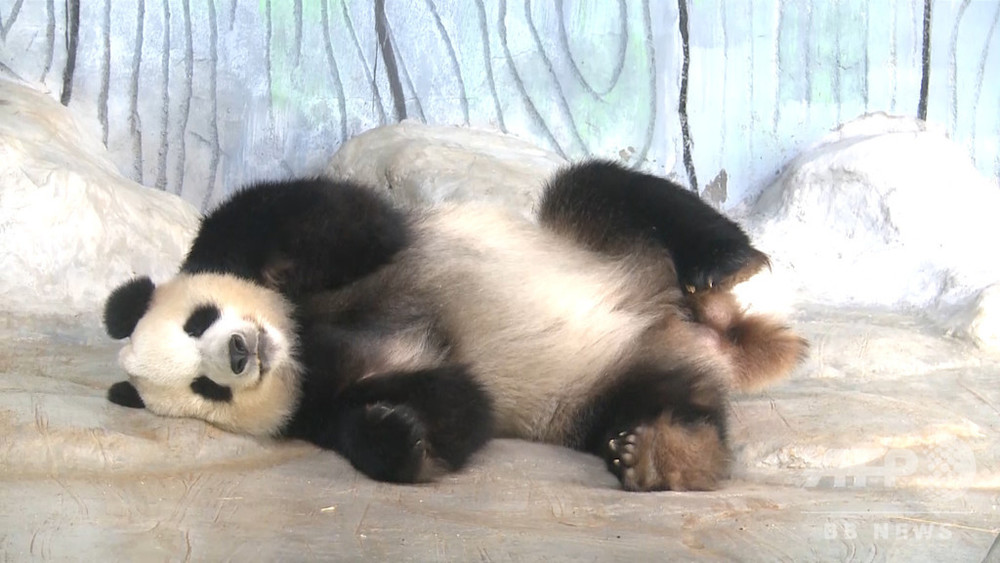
{"type": "Point", "coordinates": [126, 305]}
{"type": "Point", "coordinates": [125, 394]}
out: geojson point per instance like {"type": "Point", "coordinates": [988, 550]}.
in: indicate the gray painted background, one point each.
{"type": "Point", "coordinates": [197, 96]}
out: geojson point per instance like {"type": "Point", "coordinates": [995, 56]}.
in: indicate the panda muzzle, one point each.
{"type": "Point", "coordinates": [239, 353]}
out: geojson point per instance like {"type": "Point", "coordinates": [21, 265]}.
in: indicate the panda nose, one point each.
{"type": "Point", "coordinates": [239, 353]}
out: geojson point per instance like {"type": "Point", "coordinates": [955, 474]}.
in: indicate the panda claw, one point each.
{"type": "Point", "coordinates": [379, 411]}
{"type": "Point", "coordinates": [623, 453]}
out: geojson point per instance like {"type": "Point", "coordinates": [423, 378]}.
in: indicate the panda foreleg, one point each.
{"type": "Point", "coordinates": [125, 394]}
{"type": "Point", "coordinates": [385, 442]}
{"type": "Point", "coordinates": [412, 426]}
{"type": "Point", "coordinates": [609, 208]}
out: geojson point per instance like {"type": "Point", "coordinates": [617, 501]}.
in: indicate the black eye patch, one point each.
{"type": "Point", "coordinates": [212, 390]}
{"type": "Point", "coordinates": [201, 319]}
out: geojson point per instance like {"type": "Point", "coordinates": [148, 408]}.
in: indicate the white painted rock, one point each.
{"type": "Point", "coordinates": [883, 212]}
{"type": "Point", "coordinates": [979, 319]}
{"type": "Point", "coordinates": [418, 164]}
{"type": "Point", "coordinates": [72, 227]}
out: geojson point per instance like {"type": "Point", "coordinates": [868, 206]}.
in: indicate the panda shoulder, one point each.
{"type": "Point", "coordinates": [299, 236]}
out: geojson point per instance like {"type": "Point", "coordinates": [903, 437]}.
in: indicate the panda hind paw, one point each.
{"type": "Point", "coordinates": [623, 454]}
{"type": "Point", "coordinates": [665, 454]}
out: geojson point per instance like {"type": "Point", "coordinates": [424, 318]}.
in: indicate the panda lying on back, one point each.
{"type": "Point", "coordinates": [313, 309]}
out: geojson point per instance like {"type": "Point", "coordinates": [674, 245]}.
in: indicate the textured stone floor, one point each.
{"type": "Point", "coordinates": [884, 446]}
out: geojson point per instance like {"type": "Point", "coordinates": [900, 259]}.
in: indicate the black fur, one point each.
{"type": "Point", "coordinates": [382, 440]}
{"type": "Point", "coordinates": [211, 390]}
{"type": "Point", "coordinates": [455, 410]}
{"type": "Point", "coordinates": [202, 318]}
{"type": "Point", "coordinates": [298, 236]}
{"type": "Point", "coordinates": [646, 391]}
{"type": "Point", "coordinates": [126, 305]}
{"type": "Point", "coordinates": [395, 426]}
{"type": "Point", "coordinates": [123, 393]}
{"type": "Point", "coordinates": [385, 424]}
{"type": "Point", "coordinates": [610, 208]}
{"type": "Point", "coordinates": [304, 238]}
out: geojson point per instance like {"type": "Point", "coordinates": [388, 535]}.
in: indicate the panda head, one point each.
{"type": "Point", "coordinates": [208, 346]}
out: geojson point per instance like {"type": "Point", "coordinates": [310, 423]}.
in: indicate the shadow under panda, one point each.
{"type": "Point", "coordinates": [314, 310]}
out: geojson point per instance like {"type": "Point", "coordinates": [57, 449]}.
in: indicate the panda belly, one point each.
{"type": "Point", "coordinates": [543, 323]}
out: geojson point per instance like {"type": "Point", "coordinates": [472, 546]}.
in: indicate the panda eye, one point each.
{"type": "Point", "coordinates": [201, 319]}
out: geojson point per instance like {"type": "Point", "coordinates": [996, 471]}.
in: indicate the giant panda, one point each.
{"type": "Point", "coordinates": [404, 340]}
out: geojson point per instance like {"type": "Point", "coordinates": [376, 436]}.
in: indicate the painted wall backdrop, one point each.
{"type": "Point", "coordinates": [196, 96]}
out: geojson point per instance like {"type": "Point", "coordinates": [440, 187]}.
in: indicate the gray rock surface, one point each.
{"type": "Point", "coordinates": [885, 212]}
{"type": "Point", "coordinates": [417, 164]}
{"type": "Point", "coordinates": [72, 227]}
{"type": "Point", "coordinates": [883, 446]}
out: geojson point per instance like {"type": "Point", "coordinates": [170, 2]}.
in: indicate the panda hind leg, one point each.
{"type": "Point", "coordinates": [410, 427]}
{"type": "Point", "coordinates": [663, 429]}
{"type": "Point", "coordinates": [760, 349]}
{"type": "Point", "coordinates": [668, 454]}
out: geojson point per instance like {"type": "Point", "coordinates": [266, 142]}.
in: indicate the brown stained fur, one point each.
{"type": "Point", "coordinates": [761, 350]}
{"type": "Point", "coordinates": [665, 455]}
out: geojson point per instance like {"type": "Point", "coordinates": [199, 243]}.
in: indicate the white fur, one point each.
{"type": "Point", "coordinates": [542, 322]}
{"type": "Point", "coordinates": [162, 360]}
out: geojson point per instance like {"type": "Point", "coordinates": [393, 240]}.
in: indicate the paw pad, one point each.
{"type": "Point", "coordinates": [623, 453]}
{"type": "Point", "coordinates": [662, 454]}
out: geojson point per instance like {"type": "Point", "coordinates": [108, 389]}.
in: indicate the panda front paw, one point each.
{"type": "Point", "coordinates": [390, 444]}
{"type": "Point", "coordinates": [720, 267]}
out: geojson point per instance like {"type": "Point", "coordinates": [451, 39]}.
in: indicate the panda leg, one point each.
{"type": "Point", "coordinates": [609, 208]}
{"type": "Point", "coordinates": [661, 424]}
{"type": "Point", "coordinates": [412, 426]}
{"type": "Point", "coordinates": [667, 454]}
{"type": "Point", "coordinates": [386, 442]}
{"type": "Point", "coordinates": [760, 349]}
